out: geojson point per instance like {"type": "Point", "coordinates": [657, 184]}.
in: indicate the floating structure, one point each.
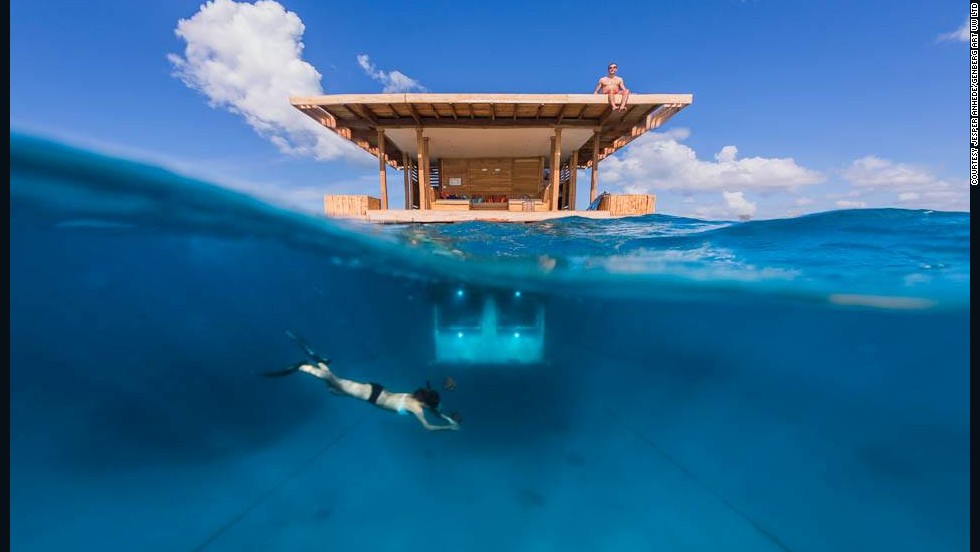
{"type": "Point", "coordinates": [500, 157]}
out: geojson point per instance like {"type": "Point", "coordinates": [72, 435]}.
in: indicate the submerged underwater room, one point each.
{"type": "Point", "coordinates": [651, 383]}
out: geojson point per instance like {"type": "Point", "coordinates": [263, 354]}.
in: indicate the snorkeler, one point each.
{"type": "Point", "coordinates": [403, 403]}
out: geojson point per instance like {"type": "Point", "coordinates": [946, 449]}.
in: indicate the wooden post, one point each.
{"type": "Point", "coordinates": [420, 165]}
{"type": "Point", "coordinates": [383, 170]}
{"type": "Point", "coordinates": [408, 180]}
{"type": "Point", "coordinates": [428, 171]}
{"type": "Point", "coordinates": [572, 179]}
{"type": "Point", "coordinates": [555, 168]}
{"type": "Point", "coordinates": [595, 166]}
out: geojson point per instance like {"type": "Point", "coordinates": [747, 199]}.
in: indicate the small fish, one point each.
{"type": "Point", "coordinates": [449, 384]}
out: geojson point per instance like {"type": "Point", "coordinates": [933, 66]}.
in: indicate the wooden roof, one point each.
{"type": "Point", "coordinates": [357, 117]}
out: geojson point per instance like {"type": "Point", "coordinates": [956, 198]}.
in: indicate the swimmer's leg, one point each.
{"type": "Point", "coordinates": [316, 358]}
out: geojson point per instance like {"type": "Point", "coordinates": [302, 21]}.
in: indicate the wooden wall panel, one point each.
{"type": "Point", "coordinates": [627, 204]}
{"type": "Point", "coordinates": [493, 176]}
{"type": "Point", "coordinates": [349, 205]}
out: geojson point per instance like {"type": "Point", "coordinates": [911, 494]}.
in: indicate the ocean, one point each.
{"type": "Point", "coordinates": [662, 383]}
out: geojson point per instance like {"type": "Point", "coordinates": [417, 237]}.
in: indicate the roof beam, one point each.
{"type": "Point", "coordinates": [405, 122]}
{"type": "Point", "coordinates": [415, 114]}
{"type": "Point", "coordinates": [362, 113]}
{"type": "Point", "coordinates": [606, 117]}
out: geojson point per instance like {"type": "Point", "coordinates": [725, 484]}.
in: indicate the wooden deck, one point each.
{"type": "Point", "coordinates": [396, 216]}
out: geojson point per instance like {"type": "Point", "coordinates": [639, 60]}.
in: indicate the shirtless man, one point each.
{"type": "Point", "coordinates": [612, 85]}
{"type": "Point", "coordinates": [415, 403]}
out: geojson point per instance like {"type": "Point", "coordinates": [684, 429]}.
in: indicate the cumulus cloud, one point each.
{"type": "Point", "coordinates": [875, 172]}
{"type": "Point", "coordinates": [959, 35]}
{"type": "Point", "coordinates": [740, 206]}
{"type": "Point", "coordinates": [247, 59]}
{"type": "Point", "coordinates": [393, 81]}
{"type": "Point", "coordinates": [659, 161]}
{"type": "Point", "coordinates": [847, 204]}
{"type": "Point", "coordinates": [913, 186]}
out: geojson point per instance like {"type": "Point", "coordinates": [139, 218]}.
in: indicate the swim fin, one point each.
{"type": "Point", "coordinates": [281, 373]}
{"type": "Point", "coordinates": [307, 349]}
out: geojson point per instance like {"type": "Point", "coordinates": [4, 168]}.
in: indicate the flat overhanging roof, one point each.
{"type": "Point", "coordinates": [490, 125]}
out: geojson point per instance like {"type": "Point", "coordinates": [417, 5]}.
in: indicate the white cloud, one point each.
{"type": "Point", "coordinates": [874, 172]}
{"type": "Point", "coordinates": [959, 35]}
{"type": "Point", "coordinates": [658, 161]}
{"type": "Point", "coordinates": [393, 81]}
{"type": "Point", "coordinates": [247, 59]}
{"type": "Point", "coordinates": [845, 204]}
{"type": "Point", "coordinates": [909, 183]}
{"type": "Point", "coordinates": [733, 206]}
{"type": "Point", "coordinates": [736, 201]}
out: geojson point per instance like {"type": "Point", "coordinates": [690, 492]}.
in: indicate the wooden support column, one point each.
{"type": "Point", "coordinates": [420, 165]}
{"type": "Point", "coordinates": [572, 179]}
{"type": "Point", "coordinates": [428, 172]}
{"type": "Point", "coordinates": [407, 169]}
{"type": "Point", "coordinates": [383, 171]}
{"type": "Point", "coordinates": [555, 168]}
{"type": "Point", "coordinates": [595, 166]}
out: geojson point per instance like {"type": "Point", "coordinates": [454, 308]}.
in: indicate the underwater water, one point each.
{"type": "Point", "coordinates": [798, 384]}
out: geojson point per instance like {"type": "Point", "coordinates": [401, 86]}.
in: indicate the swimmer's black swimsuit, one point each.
{"type": "Point", "coordinates": [376, 390]}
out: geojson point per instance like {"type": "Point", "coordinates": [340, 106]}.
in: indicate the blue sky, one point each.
{"type": "Point", "coordinates": [798, 106]}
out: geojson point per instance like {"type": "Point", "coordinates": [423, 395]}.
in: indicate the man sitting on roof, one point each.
{"type": "Point", "coordinates": [612, 85]}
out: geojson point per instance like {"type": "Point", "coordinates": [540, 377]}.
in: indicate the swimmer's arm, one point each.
{"type": "Point", "coordinates": [425, 423]}
{"type": "Point", "coordinates": [597, 87]}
